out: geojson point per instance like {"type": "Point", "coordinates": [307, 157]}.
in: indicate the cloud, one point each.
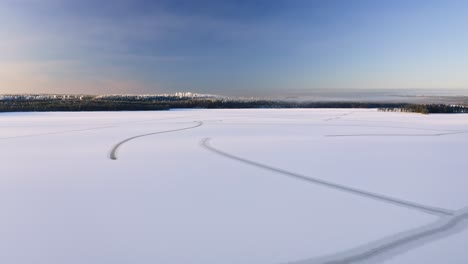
{"type": "Point", "coordinates": [228, 46]}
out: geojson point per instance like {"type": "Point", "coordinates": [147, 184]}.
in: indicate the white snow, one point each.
{"type": "Point", "coordinates": [168, 199]}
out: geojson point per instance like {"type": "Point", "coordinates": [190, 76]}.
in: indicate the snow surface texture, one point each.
{"type": "Point", "coordinates": [233, 186]}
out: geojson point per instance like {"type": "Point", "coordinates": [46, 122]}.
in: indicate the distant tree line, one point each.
{"type": "Point", "coordinates": [27, 103]}
{"type": "Point", "coordinates": [77, 105]}
{"type": "Point", "coordinates": [428, 109]}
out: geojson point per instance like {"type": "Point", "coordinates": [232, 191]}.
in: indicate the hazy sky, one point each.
{"type": "Point", "coordinates": [232, 47]}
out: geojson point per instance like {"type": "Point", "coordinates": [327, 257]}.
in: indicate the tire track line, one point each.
{"type": "Point", "coordinates": [57, 132]}
{"type": "Point", "coordinates": [113, 153]}
{"type": "Point", "coordinates": [107, 125]}
{"type": "Point", "coordinates": [386, 248]}
{"type": "Point", "coordinates": [337, 117]}
{"type": "Point", "coordinates": [397, 135]}
{"type": "Point", "coordinates": [395, 201]}
{"type": "Point", "coordinates": [345, 125]}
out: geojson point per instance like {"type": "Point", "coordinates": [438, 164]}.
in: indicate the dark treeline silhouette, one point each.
{"type": "Point", "coordinates": [428, 109]}
{"type": "Point", "coordinates": [74, 105]}
{"type": "Point", "coordinates": [27, 103]}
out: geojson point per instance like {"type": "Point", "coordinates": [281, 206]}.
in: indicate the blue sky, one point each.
{"type": "Point", "coordinates": [256, 47]}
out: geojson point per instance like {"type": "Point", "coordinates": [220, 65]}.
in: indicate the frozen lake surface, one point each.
{"type": "Point", "coordinates": [233, 186]}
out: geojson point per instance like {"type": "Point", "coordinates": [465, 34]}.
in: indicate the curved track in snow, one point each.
{"type": "Point", "coordinates": [424, 208]}
{"type": "Point", "coordinates": [386, 248]}
{"type": "Point", "coordinates": [449, 221]}
{"type": "Point", "coordinates": [113, 153]}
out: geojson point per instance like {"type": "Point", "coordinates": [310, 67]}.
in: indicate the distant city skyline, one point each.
{"type": "Point", "coordinates": [240, 48]}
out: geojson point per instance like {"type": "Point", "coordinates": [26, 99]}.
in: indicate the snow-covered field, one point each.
{"type": "Point", "coordinates": [233, 186]}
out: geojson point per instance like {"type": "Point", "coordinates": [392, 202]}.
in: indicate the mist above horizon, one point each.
{"type": "Point", "coordinates": [274, 48]}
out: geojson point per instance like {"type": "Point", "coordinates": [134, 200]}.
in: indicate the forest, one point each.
{"type": "Point", "coordinates": [428, 109]}
{"type": "Point", "coordinates": [43, 103]}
